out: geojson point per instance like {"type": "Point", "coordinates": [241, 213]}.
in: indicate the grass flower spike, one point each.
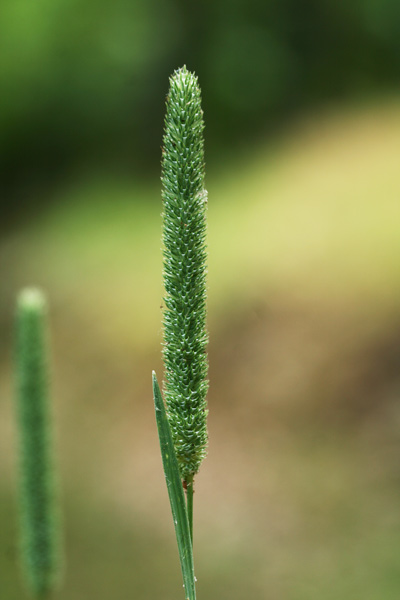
{"type": "Point", "coordinates": [185, 336]}
{"type": "Point", "coordinates": [182, 427]}
{"type": "Point", "coordinates": [38, 510]}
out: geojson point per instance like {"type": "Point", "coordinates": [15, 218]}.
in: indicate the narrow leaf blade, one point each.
{"type": "Point", "coordinates": [175, 492]}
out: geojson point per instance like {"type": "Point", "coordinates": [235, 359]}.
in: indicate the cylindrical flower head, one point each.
{"type": "Point", "coordinates": [38, 507]}
{"type": "Point", "coordinates": [185, 336]}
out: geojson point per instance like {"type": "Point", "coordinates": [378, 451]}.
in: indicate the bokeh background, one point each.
{"type": "Point", "coordinates": [299, 496]}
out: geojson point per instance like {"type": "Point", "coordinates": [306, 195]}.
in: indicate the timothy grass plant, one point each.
{"type": "Point", "coordinates": [182, 425]}
{"type": "Point", "coordinates": [39, 512]}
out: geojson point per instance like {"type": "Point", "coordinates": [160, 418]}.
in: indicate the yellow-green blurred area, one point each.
{"type": "Point", "coordinates": [299, 496]}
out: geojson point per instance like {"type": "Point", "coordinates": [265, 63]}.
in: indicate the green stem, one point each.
{"type": "Point", "coordinates": [189, 504]}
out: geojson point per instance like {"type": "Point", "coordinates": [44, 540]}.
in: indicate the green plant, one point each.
{"type": "Point", "coordinates": [185, 336]}
{"type": "Point", "coordinates": [39, 519]}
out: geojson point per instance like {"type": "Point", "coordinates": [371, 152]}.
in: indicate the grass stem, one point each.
{"type": "Point", "coordinates": [189, 505]}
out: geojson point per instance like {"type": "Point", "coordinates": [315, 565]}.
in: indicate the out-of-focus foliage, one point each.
{"type": "Point", "coordinates": [39, 518]}
{"type": "Point", "coordinates": [77, 76]}
{"type": "Point", "coordinates": [84, 81]}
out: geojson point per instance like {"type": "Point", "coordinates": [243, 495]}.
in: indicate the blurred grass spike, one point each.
{"type": "Point", "coordinates": [184, 234]}
{"type": "Point", "coordinates": [39, 518]}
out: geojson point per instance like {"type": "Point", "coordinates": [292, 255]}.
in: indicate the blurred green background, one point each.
{"type": "Point", "coordinates": [299, 497]}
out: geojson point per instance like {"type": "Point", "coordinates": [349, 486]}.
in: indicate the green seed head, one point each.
{"type": "Point", "coordinates": [185, 336]}
{"type": "Point", "coordinates": [38, 507]}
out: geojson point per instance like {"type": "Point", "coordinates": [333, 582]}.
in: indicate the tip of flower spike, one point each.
{"type": "Point", "coordinates": [32, 299]}
{"type": "Point", "coordinates": [181, 71]}
{"type": "Point", "coordinates": [183, 77]}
